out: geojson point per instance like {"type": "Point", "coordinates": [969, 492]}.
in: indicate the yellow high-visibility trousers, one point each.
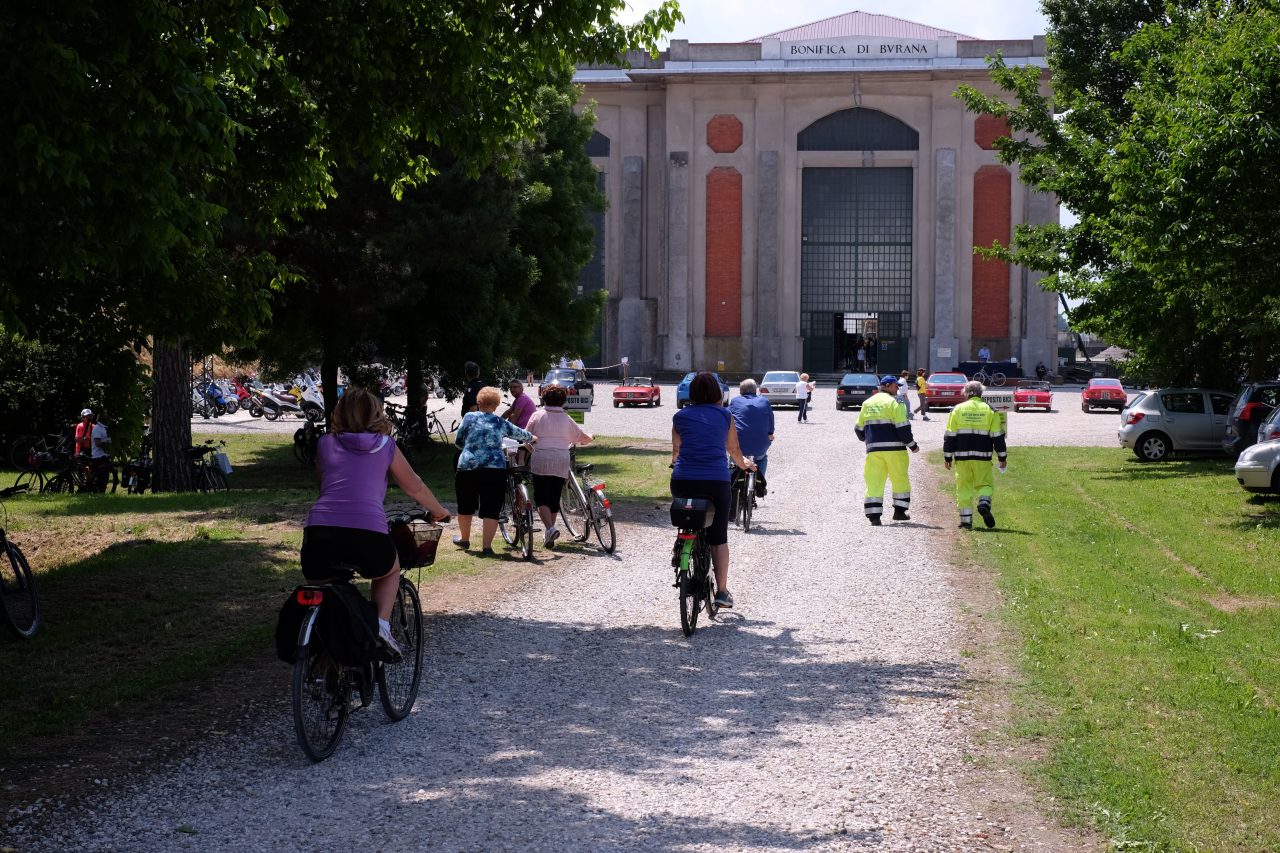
{"type": "Point", "coordinates": [973, 477]}
{"type": "Point", "coordinates": [882, 464]}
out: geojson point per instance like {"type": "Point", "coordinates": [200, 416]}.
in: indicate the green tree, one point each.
{"type": "Point", "coordinates": [1161, 125]}
{"type": "Point", "coordinates": [154, 148]}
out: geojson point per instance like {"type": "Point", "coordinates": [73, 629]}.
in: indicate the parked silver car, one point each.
{"type": "Point", "coordinates": [779, 387]}
{"type": "Point", "coordinates": [1175, 420]}
{"type": "Point", "coordinates": [1258, 467]}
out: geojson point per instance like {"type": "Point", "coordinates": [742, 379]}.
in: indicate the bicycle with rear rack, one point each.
{"type": "Point", "coordinates": [325, 690]}
{"type": "Point", "coordinates": [515, 522]}
{"type": "Point", "coordinates": [691, 558]}
{"type": "Point", "coordinates": [742, 495]}
{"type": "Point", "coordinates": [19, 602]}
{"type": "Point", "coordinates": [210, 466]}
{"type": "Point", "coordinates": [585, 507]}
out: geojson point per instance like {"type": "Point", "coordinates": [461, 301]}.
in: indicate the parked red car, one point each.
{"type": "Point", "coordinates": [1103, 394]}
{"type": "Point", "coordinates": [945, 390]}
{"type": "Point", "coordinates": [640, 390]}
{"type": "Point", "coordinates": [1032, 394]}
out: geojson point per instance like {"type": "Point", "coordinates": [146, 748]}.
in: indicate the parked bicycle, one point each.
{"type": "Point", "coordinates": [211, 466]}
{"type": "Point", "coordinates": [691, 558]}
{"type": "Point", "coordinates": [40, 458]}
{"type": "Point", "coordinates": [324, 690]}
{"type": "Point", "coordinates": [18, 597]}
{"type": "Point", "coordinates": [585, 507]}
{"type": "Point", "coordinates": [306, 442]}
{"type": "Point", "coordinates": [742, 495]}
{"type": "Point", "coordinates": [986, 377]}
{"type": "Point", "coordinates": [515, 522]}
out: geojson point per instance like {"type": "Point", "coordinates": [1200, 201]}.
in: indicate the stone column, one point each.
{"type": "Point", "coordinates": [944, 263]}
{"type": "Point", "coordinates": [1040, 312]}
{"type": "Point", "coordinates": [679, 353]}
{"type": "Point", "coordinates": [632, 321]}
{"type": "Point", "coordinates": [765, 348]}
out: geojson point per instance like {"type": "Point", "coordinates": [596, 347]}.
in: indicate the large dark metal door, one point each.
{"type": "Point", "coordinates": [855, 261]}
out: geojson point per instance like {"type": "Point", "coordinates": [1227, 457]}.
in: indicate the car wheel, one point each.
{"type": "Point", "coordinates": [1153, 447]}
{"type": "Point", "coordinates": [1084, 407]}
{"type": "Point", "coordinates": [616, 404]}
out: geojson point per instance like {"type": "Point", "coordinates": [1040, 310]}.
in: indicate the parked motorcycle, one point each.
{"type": "Point", "coordinates": [271, 404]}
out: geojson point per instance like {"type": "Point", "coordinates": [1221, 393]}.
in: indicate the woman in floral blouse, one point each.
{"type": "Point", "coordinates": [482, 468]}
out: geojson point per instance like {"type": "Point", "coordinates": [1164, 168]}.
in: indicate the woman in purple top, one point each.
{"type": "Point", "coordinates": [701, 436]}
{"type": "Point", "coordinates": [348, 523]}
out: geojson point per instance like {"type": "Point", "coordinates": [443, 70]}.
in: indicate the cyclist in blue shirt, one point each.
{"type": "Point", "coordinates": [753, 418]}
{"type": "Point", "coordinates": [701, 435]}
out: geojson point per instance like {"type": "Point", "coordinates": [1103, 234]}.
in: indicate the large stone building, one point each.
{"type": "Point", "coordinates": [771, 199]}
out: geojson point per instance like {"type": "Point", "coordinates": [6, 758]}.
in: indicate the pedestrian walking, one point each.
{"type": "Point", "coordinates": [900, 394]}
{"type": "Point", "coordinates": [556, 433]}
{"type": "Point", "coordinates": [922, 388]}
{"type": "Point", "coordinates": [804, 394]}
{"type": "Point", "coordinates": [883, 426]}
{"type": "Point", "coordinates": [974, 432]}
{"type": "Point", "coordinates": [471, 371]}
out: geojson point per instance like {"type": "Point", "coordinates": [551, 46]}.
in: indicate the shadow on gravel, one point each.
{"type": "Point", "coordinates": [520, 717]}
{"type": "Point", "coordinates": [759, 528]}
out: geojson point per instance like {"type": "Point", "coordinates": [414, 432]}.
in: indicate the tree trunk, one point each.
{"type": "Point", "coordinates": [171, 416]}
{"type": "Point", "coordinates": [329, 379]}
{"type": "Point", "coordinates": [413, 387]}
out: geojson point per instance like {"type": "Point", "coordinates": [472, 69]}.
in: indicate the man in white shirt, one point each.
{"type": "Point", "coordinates": [803, 389]}
{"type": "Point", "coordinates": [99, 456]}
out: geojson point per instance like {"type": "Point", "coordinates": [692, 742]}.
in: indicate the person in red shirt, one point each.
{"type": "Point", "coordinates": [84, 433]}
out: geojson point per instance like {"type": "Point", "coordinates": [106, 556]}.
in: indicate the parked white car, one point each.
{"type": "Point", "coordinates": [779, 387]}
{"type": "Point", "coordinates": [1258, 467]}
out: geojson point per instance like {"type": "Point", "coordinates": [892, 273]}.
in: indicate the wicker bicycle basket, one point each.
{"type": "Point", "coordinates": [416, 541]}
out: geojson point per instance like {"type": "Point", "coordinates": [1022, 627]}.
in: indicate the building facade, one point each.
{"type": "Point", "coordinates": [772, 201]}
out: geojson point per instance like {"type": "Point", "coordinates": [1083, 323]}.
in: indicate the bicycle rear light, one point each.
{"type": "Point", "coordinates": [310, 597]}
{"type": "Point", "coordinates": [686, 536]}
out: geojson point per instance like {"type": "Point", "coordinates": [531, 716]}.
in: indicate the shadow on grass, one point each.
{"type": "Point", "coordinates": [138, 617]}
{"type": "Point", "coordinates": [1134, 471]}
{"type": "Point", "coordinates": [1001, 531]}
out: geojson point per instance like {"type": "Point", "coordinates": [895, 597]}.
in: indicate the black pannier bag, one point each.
{"type": "Point", "coordinates": [692, 513]}
{"type": "Point", "coordinates": [347, 626]}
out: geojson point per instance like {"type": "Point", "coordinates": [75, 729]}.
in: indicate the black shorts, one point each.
{"type": "Point", "coordinates": [369, 553]}
{"type": "Point", "coordinates": [547, 490]}
{"type": "Point", "coordinates": [480, 488]}
{"type": "Point", "coordinates": [716, 491]}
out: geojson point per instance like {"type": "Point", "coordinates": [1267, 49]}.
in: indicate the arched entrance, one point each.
{"type": "Point", "coordinates": [856, 244]}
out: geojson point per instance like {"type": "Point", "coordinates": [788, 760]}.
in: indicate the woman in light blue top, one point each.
{"type": "Point", "coordinates": [482, 468]}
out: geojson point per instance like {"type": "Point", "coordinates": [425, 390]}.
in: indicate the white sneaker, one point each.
{"type": "Point", "coordinates": [549, 541]}
{"type": "Point", "coordinates": [392, 648]}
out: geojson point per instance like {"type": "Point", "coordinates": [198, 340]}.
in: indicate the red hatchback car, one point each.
{"type": "Point", "coordinates": [1103, 394]}
{"type": "Point", "coordinates": [638, 391]}
{"type": "Point", "coordinates": [945, 390]}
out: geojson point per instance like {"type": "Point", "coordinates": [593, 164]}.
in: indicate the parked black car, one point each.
{"type": "Point", "coordinates": [855, 388]}
{"type": "Point", "coordinates": [1251, 407]}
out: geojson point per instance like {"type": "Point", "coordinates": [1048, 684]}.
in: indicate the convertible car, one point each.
{"type": "Point", "coordinates": [639, 390]}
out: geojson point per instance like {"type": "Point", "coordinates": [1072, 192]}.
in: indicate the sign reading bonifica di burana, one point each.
{"type": "Point", "coordinates": [857, 47]}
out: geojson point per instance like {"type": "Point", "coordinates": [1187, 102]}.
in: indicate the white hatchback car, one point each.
{"type": "Point", "coordinates": [1258, 467]}
{"type": "Point", "coordinates": [779, 387]}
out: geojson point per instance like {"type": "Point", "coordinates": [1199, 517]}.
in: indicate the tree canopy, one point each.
{"type": "Point", "coordinates": [1161, 128]}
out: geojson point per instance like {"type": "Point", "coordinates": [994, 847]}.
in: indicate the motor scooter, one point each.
{"type": "Point", "coordinates": [271, 404]}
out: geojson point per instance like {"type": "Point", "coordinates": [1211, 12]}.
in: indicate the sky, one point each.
{"type": "Point", "coordinates": [739, 20]}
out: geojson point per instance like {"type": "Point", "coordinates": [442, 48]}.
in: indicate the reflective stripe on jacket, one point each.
{"type": "Point", "coordinates": [882, 424]}
{"type": "Point", "coordinates": [974, 431]}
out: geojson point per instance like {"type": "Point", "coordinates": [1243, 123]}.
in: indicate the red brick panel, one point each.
{"type": "Point", "coordinates": [987, 129]}
{"type": "Point", "coordinates": [992, 221]}
{"type": "Point", "coordinates": [724, 252]}
{"type": "Point", "coordinates": [724, 134]}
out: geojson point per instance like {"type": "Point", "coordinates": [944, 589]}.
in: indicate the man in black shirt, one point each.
{"type": "Point", "coordinates": [472, 372]}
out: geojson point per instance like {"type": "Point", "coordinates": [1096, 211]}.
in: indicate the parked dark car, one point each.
{"type": "Point", "coordinates": [855, 388]}
{"type": "Point", "coordinates": [573, 381]}
{"type": "Point", "coordinates": [1251, 407]}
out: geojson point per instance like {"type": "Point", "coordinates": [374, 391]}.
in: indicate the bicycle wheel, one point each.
{"type": "Point", "coordinates": [507, 517]}
{"type": "Point", "coordinates": [31, 479]}
{"type": "Point", "coordinates": [320, 688]}
{"type": "Point", "coordinates": [997, 378]}
{"type": "Point", "coordinates": [18, 593]}
{"type": "Point", "coordinates": [602, 519]}
{"type": "Point", "coordinates": [689, 604]}
{"type": "Point", "coordinates": [22, 454]}
{"type": "Point", "coordinates": [702, 559]}
{"type": "Point", "coordinates": [60, 484]}
{"type": "Point", "coordinates": [217, 480]}
{"type": "Point", "coordinates": [525, 534]}
{"type": "Point", "coordinates": [438, 433]}
{"type": "Point", "coordinates": [573, 511]}
{"type": "Point", "coordinates": [398, 682]}
{"type": "Point", "coordinates": [748, 500]}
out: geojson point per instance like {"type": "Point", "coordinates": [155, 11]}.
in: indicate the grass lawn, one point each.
{"type": "Point", "coordinates": [1147, 599]}
{"type": "Point", "coordinates": [145, 594]}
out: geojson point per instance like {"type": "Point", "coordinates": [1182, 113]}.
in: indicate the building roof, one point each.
{"type": "Point", "coordinates": [862, 24]}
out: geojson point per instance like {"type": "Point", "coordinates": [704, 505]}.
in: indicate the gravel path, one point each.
{"type": "Point", "coordinates": [829, 711]}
